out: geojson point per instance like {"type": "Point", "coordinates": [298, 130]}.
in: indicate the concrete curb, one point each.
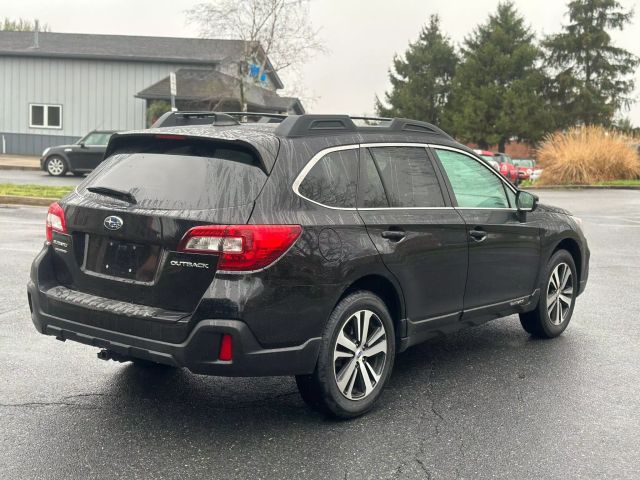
{"type": "Point", "coordinates": [17, 200]}
{"type": "Point", "coordinates": [583, 187]}
{"type": "Point", "coordinates": [19, 167]}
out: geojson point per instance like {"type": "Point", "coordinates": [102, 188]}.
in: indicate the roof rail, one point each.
{"type": "Point", "coordinates": [307, 125]}
{"type": "Point", "coordinates": [259, 117]}
{"type": "Point", "coordinates": [302, 125]}
{"type": "Point", "coordinates": [182, 119]}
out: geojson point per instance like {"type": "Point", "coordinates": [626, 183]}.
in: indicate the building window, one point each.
{"type": "Point", "coordinates": [45, 116]}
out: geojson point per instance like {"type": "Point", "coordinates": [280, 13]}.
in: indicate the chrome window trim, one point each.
{"type": "Point", "coordinates": [318, 156]}
{"type": "Point", "coordinates": [406, 208]}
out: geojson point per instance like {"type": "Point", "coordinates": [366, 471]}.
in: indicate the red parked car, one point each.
{"type": "Point", "coordinates": [525, 166]}
{"type": "Point", "coordinates": [507, 167]}
{"type": "Point", "coordinates": [488, 157]}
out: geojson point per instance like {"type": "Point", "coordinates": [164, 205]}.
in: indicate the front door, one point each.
{"type": "Point", "coordinates": [421, 238]}
{"type": "Point", "coordinates": [89, 152]}
{"type": "Point", "coordinates": [504, 250]}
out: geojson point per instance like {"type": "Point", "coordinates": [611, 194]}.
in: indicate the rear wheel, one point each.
{"type": "Point", "coordinates": [56, 166]}
{"type": "Point", "coordinates": [355, 359]}
{"type": "Point", "coordinates": [557, 298]}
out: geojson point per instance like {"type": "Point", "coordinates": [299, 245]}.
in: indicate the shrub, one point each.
{"type": "Point", "coordinates": [586, 155]}
{"type": "Point", "coordinates": [156, 109]}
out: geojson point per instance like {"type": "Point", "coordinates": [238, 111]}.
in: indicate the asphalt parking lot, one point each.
{"type": "Point", "coordinates": [488, 402]}
{"type": "Point", "coordinates": [25, 177]}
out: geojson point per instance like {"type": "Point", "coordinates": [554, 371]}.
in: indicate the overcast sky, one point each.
{"type": "Point", "coordinates": [361, 35]}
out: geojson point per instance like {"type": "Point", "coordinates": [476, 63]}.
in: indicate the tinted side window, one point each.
{"type": "Point", "coordinates": [370, 190]}
{"type": "Point", "coordinates": [474, 185]}
{"type": "Point", "coordinates": [332, 180]}
{"type": "Point", "coordinates": [408, 176]}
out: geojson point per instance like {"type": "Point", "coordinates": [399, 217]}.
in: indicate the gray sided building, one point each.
{"type": "Point", "coordinates": [56, 87]}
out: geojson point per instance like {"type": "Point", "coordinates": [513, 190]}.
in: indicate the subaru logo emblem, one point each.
{"type": "Point", "coordinates": [113, 223]}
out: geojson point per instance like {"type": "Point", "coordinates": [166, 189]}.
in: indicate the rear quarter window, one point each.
{"type": "Point", "coordinates": [332, 180]}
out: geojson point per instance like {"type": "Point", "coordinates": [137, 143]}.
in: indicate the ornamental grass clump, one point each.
{"type": "Point", "coordinates": [588, 155]}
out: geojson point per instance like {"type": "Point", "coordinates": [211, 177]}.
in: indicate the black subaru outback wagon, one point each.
{"type": "Point", "coordinates": [315, 246]}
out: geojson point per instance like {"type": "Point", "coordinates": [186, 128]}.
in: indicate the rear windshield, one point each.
{"type": "Point", "coordinates": [183, 175]}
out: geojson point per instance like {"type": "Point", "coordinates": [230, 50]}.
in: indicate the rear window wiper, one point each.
{"type": "Point", "coordinates": [112, 192]}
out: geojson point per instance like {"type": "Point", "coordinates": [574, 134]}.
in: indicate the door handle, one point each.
{"type": "Point", "coordinates": [478, 234]}
{"type": "Point", "coordinates": [393, 235]}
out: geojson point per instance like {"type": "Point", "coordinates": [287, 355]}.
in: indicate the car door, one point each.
{"type": "Point", "coordinates": [504, 249]}
{"type": "Point", "coordinates": [420, 237]}
{"type": "Point", "coordinates": [89, 152]}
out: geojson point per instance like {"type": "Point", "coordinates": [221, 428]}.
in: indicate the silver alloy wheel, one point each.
{"type": "Point", "coordinates": [55, 166]}
{"type": "Point", "coordinates": [360, 354]}
{"type": "Point", "coordinates": [560, 293]}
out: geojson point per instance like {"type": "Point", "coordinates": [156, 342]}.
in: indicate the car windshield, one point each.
{"type": "Point", "coordinates": [96, 138]}
{"type": "Point", "coordinates": [524, 163]}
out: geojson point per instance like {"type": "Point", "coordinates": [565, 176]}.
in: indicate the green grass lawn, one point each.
{"type": "Point", "coordinates": [41, 191]}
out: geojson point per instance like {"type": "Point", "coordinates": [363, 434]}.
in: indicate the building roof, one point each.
{"type": "Point", "coordinates": [124, 48]}
{"type": "Point", "coordinates": [195, 84]}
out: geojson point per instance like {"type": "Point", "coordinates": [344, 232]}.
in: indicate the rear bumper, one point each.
{"type": "Point", "coordinates": [199, 352]}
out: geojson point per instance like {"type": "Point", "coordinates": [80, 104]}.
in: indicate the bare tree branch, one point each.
{"type": "Point", "coordinates": [279, 33]}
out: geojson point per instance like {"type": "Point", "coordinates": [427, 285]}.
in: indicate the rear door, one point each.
{"type": "Point", "coordinates": [504, 249]}
{"type": "Point", "coordinates": [125, 248]}
{"type": "Point", "coordinates": [421, 239]}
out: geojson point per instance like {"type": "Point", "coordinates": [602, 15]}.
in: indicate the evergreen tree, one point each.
{"type": "Point", "coordinates": [421, 81]}
{"type": "Point", "coordinates": [593, 78]}
{"type": "Point", "coordinates": [499, 87]}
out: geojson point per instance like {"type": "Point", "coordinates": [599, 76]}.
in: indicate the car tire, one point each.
{"type": "Point", "coordinates": [358, 340]}
{"type": "Point", "coordinates": [555, 306]}
{"type": "Point", "coordinates": [56, 166]}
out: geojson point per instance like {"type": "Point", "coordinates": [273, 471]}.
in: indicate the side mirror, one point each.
{"type": "Point", "coordinates": [81, 144]}
{"type": "Point", "coordinates": [526, 202]}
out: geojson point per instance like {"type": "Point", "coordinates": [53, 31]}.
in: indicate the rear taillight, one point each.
{"type": "Point", "coordinates": [241, 247]}
{"type": "Point", "coordinates": [55, 221]}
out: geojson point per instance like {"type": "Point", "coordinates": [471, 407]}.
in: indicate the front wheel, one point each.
{"type": "Point", "coordinates": [56, 166]}
{"type": "Point", "coordinates": [355, 359]}
{"type": "Point", "coordinates": [557, 298]}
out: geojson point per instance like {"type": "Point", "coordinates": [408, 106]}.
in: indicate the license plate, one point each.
{"type": "Point", "coordinates": [115, 258]}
